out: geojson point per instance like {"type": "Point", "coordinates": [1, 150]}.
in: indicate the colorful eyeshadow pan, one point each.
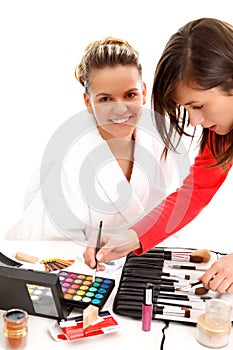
{"type": "Point", "coordinates": [79, 290]}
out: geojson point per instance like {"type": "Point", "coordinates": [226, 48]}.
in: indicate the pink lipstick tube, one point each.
{"type": "Point", "coordinates": [147, 306]}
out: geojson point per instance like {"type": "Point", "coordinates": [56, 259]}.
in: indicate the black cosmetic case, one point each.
{"type": "Point", "coordinates": [168, 269]}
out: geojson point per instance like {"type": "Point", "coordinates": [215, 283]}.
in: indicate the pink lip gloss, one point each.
{"type": "Point", "coordinates": [147, 306]}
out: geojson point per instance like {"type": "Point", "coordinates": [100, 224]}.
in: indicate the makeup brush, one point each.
{"type": "Point", "coordinates": [201, 291]}
{"type": "Point", "coordinates": [200, 254]}
{"type": "Point", "coordinates": [201, 306]}
{"type": "Point", "coordinates": [164, 301]}
{"type": "Point", "coordinates": [172, 311]}
{"type": "Point", "coordinates": [190, 285]}
{"type": "Point", "coordinates": [97, 249]}
{"type": "Point", "coordinates": [150, 268]}
{"type": "Point", "coordinates": [196, 256]}
{"type": "Point", "coordinates": [187, 267]}
{"type": "Point", "coordinates": [138, 293]}
{"type": "Point", "coordinates": [134, 309]}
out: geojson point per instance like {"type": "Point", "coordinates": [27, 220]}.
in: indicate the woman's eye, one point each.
{"type": "Point", "coordinates": [197, 107]}
{"type": "Point", "coordinates": [131, 95]}
{"type": "Point", "coordinates": [104, 99]}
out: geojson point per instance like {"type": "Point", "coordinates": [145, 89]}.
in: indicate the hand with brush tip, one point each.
{"type": "Point", "coordinates": [115, 247]}
{"type": "Point", "coordinates": [219, 277]}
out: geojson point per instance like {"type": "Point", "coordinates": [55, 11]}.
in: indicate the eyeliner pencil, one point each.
{"type": "Point", "coordinates": [97, 249]}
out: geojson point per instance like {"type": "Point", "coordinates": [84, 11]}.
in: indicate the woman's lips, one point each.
{"type": "Point", "coordinates": [212, 128]}
{"type": "Point", "coordinates": [121, 120]}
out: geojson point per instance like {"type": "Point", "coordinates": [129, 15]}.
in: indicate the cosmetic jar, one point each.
{"type": "Point", "coordinates": [211, 336]}
{"type": "Point", "coordinates": [15, 328]}
{"type": "Point", "coordinates": [217, 313]}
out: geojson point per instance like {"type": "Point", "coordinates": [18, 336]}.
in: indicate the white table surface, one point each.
{"type": "Point", "coordinates": [178, 335]}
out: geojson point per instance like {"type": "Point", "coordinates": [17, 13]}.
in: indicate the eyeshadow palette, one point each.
{"type": "Point", "coordinates": [79, 290]}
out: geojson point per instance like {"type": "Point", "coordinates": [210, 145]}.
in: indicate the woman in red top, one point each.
{"type": "Point", "coordinates": [193, 84]}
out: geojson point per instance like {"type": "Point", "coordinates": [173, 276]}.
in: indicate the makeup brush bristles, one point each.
{"type": "Point", "coordinates": [201, 291]}
{"type": "Point", "coordinates": [187, 312]}
{"type": "Point", "coordinates": [204, 254]}
{"type": "Point", "coordinates": [197, 256]}
{"type": "Point", "coordinates": [53, 264]}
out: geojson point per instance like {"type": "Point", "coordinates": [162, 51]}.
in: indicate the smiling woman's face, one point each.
{"type": "Point", "coordinates": [115, 97]}
{"type": "Point", "coordinates": [212, 109]}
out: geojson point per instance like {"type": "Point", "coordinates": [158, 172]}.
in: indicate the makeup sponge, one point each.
{"type": "Point", "coordinates": [90, 315]}
{"type": "Point", "coordinates": [26, 257]}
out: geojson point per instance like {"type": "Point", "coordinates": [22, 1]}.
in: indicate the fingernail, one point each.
{"type": "Point", "coordinates": [99, 257]}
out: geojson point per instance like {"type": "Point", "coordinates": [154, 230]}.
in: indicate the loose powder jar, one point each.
{"type": "Point", "coordinates": [212, 337]}
{"type": "Point", "coordinates": [15, 328]}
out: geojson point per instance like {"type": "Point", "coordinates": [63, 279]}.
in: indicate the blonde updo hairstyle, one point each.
{"type": "Point", "coordinates": [106, 52]}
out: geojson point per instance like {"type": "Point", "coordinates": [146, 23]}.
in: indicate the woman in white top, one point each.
{"type": "Point", "coordinates": [103, 164]}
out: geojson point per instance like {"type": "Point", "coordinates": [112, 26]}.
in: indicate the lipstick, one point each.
{"type": "Point", "coordinates": [147, 306]}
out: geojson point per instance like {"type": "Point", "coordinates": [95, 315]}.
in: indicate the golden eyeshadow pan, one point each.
{"type": "Point", "coordinates": [79, 291]}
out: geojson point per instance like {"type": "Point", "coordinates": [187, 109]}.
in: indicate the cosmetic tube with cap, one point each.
{"type": "Point", "coordinates": [147, 306]}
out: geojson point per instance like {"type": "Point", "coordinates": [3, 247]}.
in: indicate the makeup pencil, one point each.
{"type": "Point", "coordinates": [97, 249]}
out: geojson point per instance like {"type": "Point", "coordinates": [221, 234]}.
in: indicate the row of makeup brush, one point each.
{"type": "Point", "coordinates": [173, 294]}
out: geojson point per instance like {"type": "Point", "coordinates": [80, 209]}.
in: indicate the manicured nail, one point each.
{"type": "Point", "coordinates": [99, 257]}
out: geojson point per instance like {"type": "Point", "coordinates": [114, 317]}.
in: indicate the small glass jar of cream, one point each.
{"type": "Point", "coordinates": [212, 337]}
{"type": "Point", "coordinates": [214, 327]}
{"type": "Point", "coordinates": [15, 328]}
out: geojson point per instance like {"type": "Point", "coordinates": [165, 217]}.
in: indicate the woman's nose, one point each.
{"type": "Point", "coordinates": [196, 118]}
{"type": "Point", "coordinates": [119, 108]}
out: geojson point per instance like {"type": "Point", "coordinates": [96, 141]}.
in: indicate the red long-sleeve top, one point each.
{"type": "Point", "coordinates": [182, 206]}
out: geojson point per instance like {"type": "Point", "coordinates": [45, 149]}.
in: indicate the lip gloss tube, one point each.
{"type": "Point", "coordinates": [147, 306]}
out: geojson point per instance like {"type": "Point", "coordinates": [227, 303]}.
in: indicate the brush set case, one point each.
{"type": "Point", "coordinates": [174, 274]}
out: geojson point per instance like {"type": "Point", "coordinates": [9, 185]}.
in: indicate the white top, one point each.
{"type": "Point", "coordinates": [90, 186]}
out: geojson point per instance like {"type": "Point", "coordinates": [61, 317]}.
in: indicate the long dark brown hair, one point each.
{"type": "Point", "coordinates": [200, 54]}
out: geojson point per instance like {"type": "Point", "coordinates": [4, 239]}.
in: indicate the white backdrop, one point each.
{"type": "Point", "coordinates": [41, 43]}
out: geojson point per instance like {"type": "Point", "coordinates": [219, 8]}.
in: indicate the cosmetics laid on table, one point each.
{"type": "Point", "coordinates": [51, 295]}
{"type": "Point", "coordinates": [178, 295]}
{"type": "Point", "coordinates": [25, 260]}
{"type": "Point", "coordinates": [50, 287]}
